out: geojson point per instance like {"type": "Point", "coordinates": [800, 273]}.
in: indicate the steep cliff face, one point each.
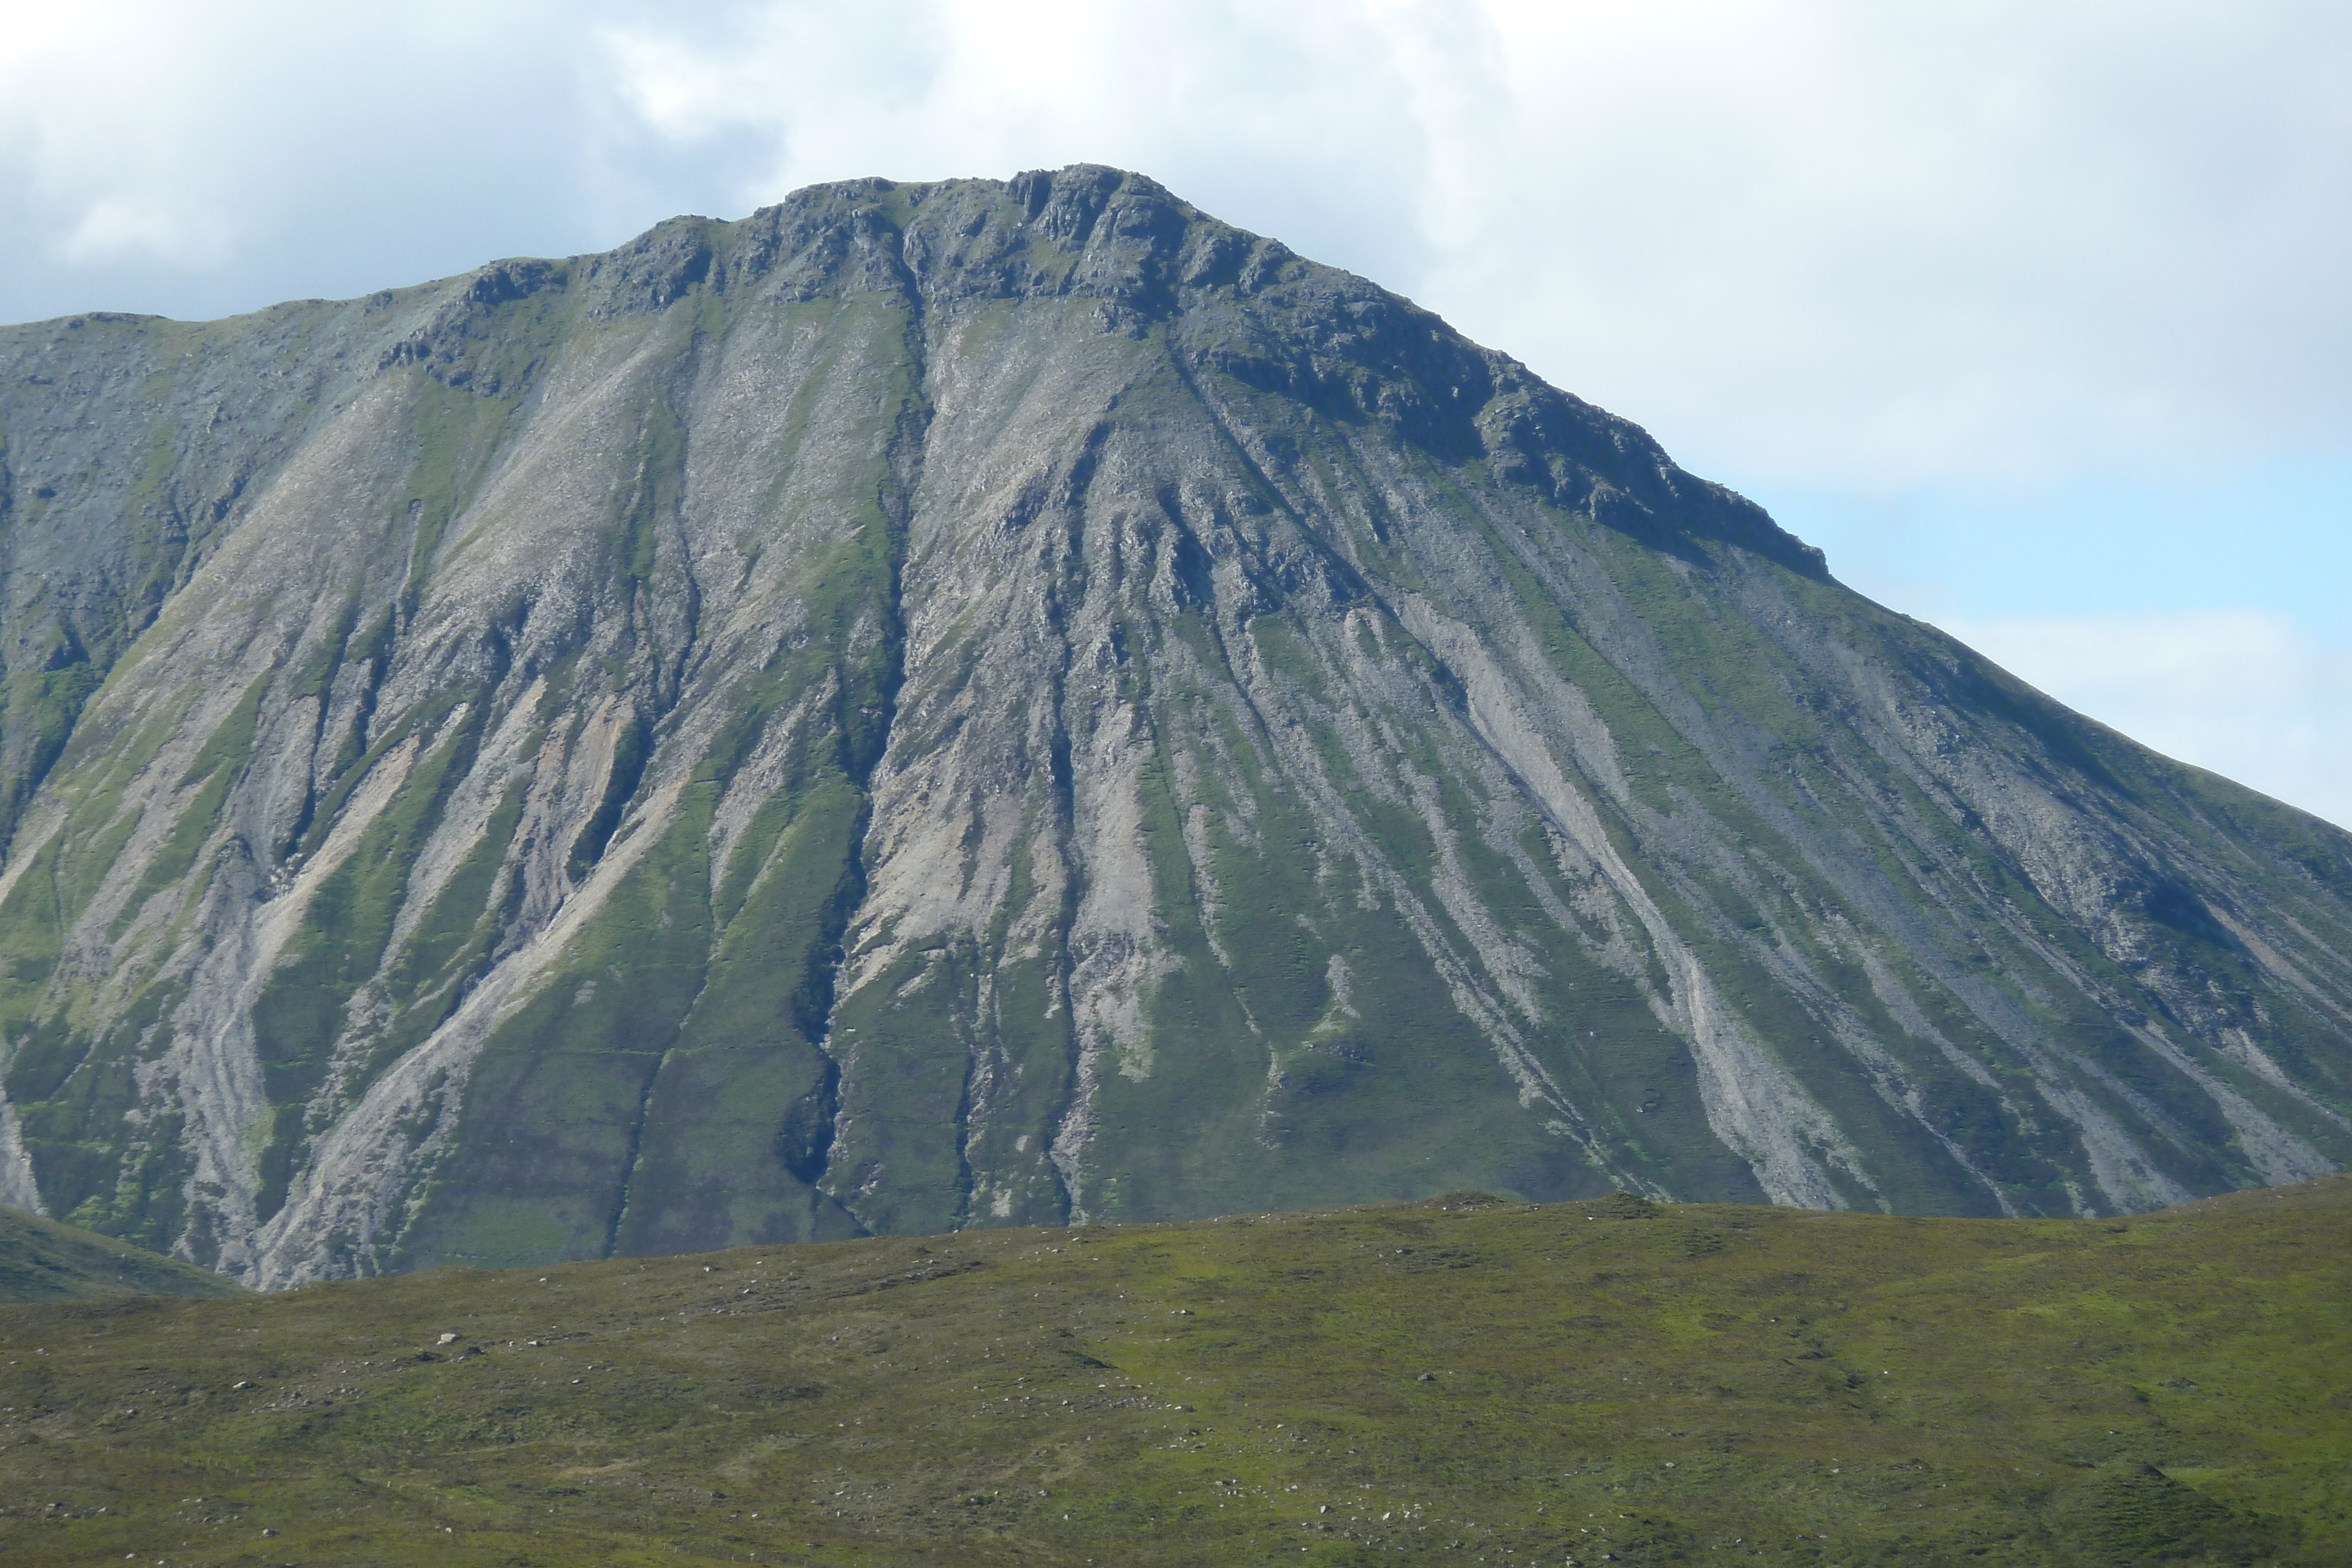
{"type": "Point", "coordinates": [966, 704]}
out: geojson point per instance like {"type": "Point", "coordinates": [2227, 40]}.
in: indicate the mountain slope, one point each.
{"type": "Point", "coordinates": [1456, 1379]}
{"type": "Point", "coordinates": [984, 702]}
{"type": "Point", "coordinates": [41, 1261]}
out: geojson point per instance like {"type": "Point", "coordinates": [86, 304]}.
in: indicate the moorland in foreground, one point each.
{"type": "Point", "coordinates": [1466, 1380]}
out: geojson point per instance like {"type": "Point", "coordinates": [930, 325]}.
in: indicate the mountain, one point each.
{"type": "Point", "coordinates": [41, 1261]}
{"type": "Point", "coordinates": [1609, 1379]}
{"type": "Point", "coordinates": [999, 704]}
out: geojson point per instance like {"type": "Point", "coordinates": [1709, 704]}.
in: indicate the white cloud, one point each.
{"type": "Point", "coordinates": [112, 228]}
{"type": "Point", "coordinates": [1967, 242]}
{"type": "Point", "coordinates": [197, 160]}
{"type": "Point", "coordinates": [2240, 692]}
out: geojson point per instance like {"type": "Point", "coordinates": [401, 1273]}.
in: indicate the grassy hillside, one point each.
{"type": "Point", "coordinates": [1461, 1381]}
{"type": "Point", "coordinates": [41, 1261]}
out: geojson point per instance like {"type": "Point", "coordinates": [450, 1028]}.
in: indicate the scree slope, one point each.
{"type": "Point", "coordinates": [1003, 702]}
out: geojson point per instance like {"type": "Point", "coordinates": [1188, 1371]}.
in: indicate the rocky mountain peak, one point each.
{"type": "Point", "coordinates": [984, 702]}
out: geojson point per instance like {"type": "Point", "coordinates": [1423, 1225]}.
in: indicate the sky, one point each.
{"type": "Point", "coordinates": [2034, 317]}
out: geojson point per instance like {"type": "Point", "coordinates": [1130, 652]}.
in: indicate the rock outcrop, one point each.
{"type": "Point", "coordinates": [995, 703]}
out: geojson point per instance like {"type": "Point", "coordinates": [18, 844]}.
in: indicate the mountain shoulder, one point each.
{"type": "Point", "coordinates": [42, 1260]}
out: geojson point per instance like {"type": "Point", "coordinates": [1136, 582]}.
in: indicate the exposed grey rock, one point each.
{"type": "Point", "coordinates": [985, 703]}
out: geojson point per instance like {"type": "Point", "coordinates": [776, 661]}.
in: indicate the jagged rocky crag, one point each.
{"type": "Point", "coordinates": [976, 703]}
